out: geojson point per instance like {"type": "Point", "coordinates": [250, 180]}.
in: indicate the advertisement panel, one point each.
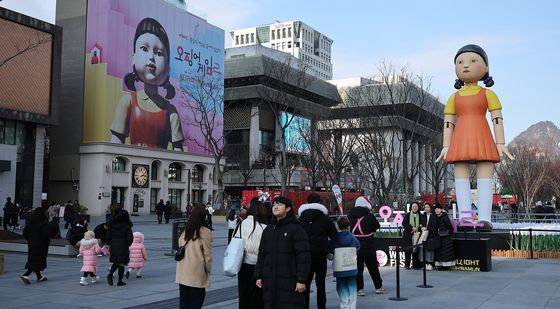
{"type": "Point", "coordinates": [145, 61]}
{"type": "Point", "coordinates": [298, 127]}
{"type": "Point", "coordinates": [25, 68]}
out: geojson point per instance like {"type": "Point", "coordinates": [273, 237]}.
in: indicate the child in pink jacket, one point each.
{"type": "Point", "coordinates": [137, 255]}
{"type": "Point", "coordinates": [89, 249]}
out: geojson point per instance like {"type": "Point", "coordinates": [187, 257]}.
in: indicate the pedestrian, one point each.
{"type": "Point", "coordinates": [193, 271]}
{"type": "Point", "coordinates": [69, 214]}
{"type": "Point", "coordinates": [89, 249]}
{"type": "Point", "coordinates": [428, 223]}
{"type": "Point", "coordinates": [9, 210]}
{"type": "Point", "coordinates": [445, 255]}
{"type": "Point", "coordinates": [138, 255]}
{"type": "Point", "coordinates": [120, 238]}
{"type": "Point", "coordinates": [167, 211]}
{"type": "Point", "coordinates": [411, 225]}
{"type": "Point", "coordinates": [231, 218]}
{"type": "Point", "coordinates": [283, 263]}
{"type": "Point", "coordinates": [159, 211]}
{"type": "Point", "coordinates": [188, 209]}
{"type": "Point", "coordinates": [363, 226]}
{"type": "Point", "coordinates": [250, 229]}
{"type": "Point", "coordinates": [101, 233]}
{"type": "Point", "coordinates": [346, 276]}
{"type": "Point", "coordinates": [76, 232]}
{"type": "Point", "coordinates": [209, 212]}
{"type": "Point", "coordinates": [38, 241]}
{"type": "Point", "coordinates": [319, 228]}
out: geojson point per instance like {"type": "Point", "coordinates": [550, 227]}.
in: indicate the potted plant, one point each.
{"type": "Point", "coordinates": [110, 211]}
{"type": "Point", "coordinates": [81, 211]}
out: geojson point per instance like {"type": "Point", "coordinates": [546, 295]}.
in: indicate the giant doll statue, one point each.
{"type": "Point", "coordinates": [467, 138]}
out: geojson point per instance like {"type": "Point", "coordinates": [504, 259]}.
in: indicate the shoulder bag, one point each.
{"type": "Point", "coordinates": [233, 257]}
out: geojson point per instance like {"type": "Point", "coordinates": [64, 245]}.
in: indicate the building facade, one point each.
{"type": "Point", "coordinates": [294, 37]}
{"type": "Point", "coordinates": [129, 134]}
{"type": "Point", "coordinates": [29, 104]}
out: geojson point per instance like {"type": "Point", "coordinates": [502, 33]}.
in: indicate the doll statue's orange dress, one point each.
{"type": "Point", "coordinates": [472, 140]}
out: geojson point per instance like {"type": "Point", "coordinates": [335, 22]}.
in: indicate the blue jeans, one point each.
{"type": "Point", "coordinates": [347, 292]}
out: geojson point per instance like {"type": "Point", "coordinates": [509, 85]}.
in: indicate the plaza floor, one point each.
{"type": "Point", "coordinates": [513, 283]}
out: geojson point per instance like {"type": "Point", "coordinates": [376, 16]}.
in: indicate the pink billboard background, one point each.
{"type": "Point", "coordinates": [111, 25]}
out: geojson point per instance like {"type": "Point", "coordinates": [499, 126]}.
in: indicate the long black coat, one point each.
{"type": "Point", "coordinates": [447, 252]}
{"type": "Point", "coordinates": [284, 260]}
{"type": "Point", "coordinates": [37, 234]}
{"type": "Point", "coordinates": [119, 237]}
{"type": "Point", "coordinates": [369, 225]}
{"type": "Point", "coordinates": [431, 226]}
{"type": "Point", "coordinates": [319, 228]}
{"type": "Point", "coordinates": [407, 233]}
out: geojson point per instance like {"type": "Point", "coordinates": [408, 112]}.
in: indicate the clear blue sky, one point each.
{"type": "Point", "coordinates": [522, 39]}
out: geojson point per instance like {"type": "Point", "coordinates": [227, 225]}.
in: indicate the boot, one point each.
{"type": "Point", "coordinates": [83, 281]}
{"type": "Point", "coordinates": [94, 279]}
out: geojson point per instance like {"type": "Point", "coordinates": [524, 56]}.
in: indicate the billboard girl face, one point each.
{"type": "Point", "coordinates": [150, 59]}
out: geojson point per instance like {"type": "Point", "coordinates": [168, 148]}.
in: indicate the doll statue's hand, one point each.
{"type": "Point", "coordinates": [502, 151]}
{"type": "Point", "coordinates": [443, 154]}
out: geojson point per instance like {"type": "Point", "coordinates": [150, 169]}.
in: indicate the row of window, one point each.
{"type": "Point", "coordinates": [174, 171]}
{"type": "Point", "coordinates": [281, 46]}
{"type": "Point", "coordinates": [277, 34]}
{"type": "Point", "coordinates": [244, 38]}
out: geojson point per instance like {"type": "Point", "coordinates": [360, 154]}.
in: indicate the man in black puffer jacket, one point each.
{"type": "Point", "coordinates": [314, 220]}
{"type": "Point", "coordinates": [283, 262]}
{"type": "Point", "coordinates": [363, 224]}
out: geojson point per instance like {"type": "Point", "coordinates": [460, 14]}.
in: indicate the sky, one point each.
{"type": "Point", "coordinates": [521, 38]}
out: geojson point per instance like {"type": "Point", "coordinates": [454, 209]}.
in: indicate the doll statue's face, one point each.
{"type": "Point", "coordinates": [470, 67]}
{"type": "Point", "coordinates": [150, 60]}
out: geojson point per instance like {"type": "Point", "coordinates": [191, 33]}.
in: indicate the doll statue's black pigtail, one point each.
{"type": "Point", "coordinates": [488, 81]}
{"type": "Point", "coordinates": [458, 84]}
{"type": "Point", "coordinates": [169, 88]}
{"type": "Point", "coordinates": [130, 79]}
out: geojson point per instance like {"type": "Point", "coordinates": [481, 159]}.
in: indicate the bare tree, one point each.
{"type": "Point", "coordinates": [239, 163]}
{"type": "Point", "coordinates": [205, 98]}
{"type": "Point", "coordinates": [22, 48]}
{"type": "Point", "coordinates": [433, 172]}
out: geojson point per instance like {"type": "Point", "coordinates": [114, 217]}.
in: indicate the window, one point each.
{"type": "Point", "coordinates": [278, 33]}
{"type": "Point", "coordinates": [1, 131]}
{"type": "Point", "coordinates": [273, 35]}
{"type": "Point", "coordinates": [237, 40]}
{"type": "Point", "coordinates": [197, 174]}
{"type": "Point", "coordinates": [289, 32]}
{"type": "Point", "coordinates": [252, 38]}
{"type": "Point", "coordinates": [174, 196]}
{"type": "Point", "coordinates": [273, 46]}
{"type": "Point", "coordinates": [174, 172]}
{"type": "Point", "coordinates": [154, 172]}
{"type": "Point", "coordinates": [267, 138]}
{"type": "Point", "coordinates": [10, 132]}
{"type": "Point", "coordinates": [242, 40]}
{"type": "Point", "coordinates": [236, 137]}
{"type": "Point", "coordinates": [290, 44]}
{"type": "Point", "coordinates": [283, 33]}
{"type": "Point", "coordinates": [247, 38]}
{"type": "Point", "coordinates": [283, 45]}
{"type": "Point", "coordinates": [119, 164]}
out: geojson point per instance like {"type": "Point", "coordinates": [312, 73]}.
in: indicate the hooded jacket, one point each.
{"type": "Point", "coordinates": [89, 249]}
{"type": "Point", "coordinates": [119, 236]}
{"type": "Point", "coordinates": [284, 260]}
{"type": "Point", "coordinates": [251, 231]}
{"type": "Point", "coordinates": [344, 239]}
{"type": "Point", "coordinates": [137, 251]}
{"type": "Point", "coordinates": [318, 226]}
{"type": "Point", "coordinates": [369, 225]}
{"type": "Point", "coordinates": [36, 232]}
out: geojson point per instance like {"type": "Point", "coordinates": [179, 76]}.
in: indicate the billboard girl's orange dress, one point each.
{"type": "Point", "coordinates": [472, 140]}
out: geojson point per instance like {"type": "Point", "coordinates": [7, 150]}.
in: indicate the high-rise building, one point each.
{"type": "Point", "coordinates": [294, 37]}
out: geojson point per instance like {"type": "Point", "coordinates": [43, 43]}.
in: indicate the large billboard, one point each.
{"type": "Point", "coordinates": [29, 57]}
{"type": "Point", "coordinates": [297, 131]}
{"type": "Point", "coordinates": [146, 61]}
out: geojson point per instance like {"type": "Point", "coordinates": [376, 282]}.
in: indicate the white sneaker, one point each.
{"type": "Point", "coordinates": [429, 267]}
{"type": "Point", "coordinates": [361, 293]}
{"type": "Point", "coordinates": [94, 279]}
{"type": "Point", "coordinates": [381, 290]}
{"type": "Point", "coordinates": [83, 281]}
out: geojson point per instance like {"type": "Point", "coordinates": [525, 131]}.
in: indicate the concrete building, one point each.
{"type": "Point", "coordinates": [88, 160]}
{"type": "Point", "coordinates": [29, 104]}
{"type": "Point", "coordinates": [294, 37]}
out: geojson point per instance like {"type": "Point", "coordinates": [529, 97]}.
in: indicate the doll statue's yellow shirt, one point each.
{"type": "Point", "coordinates": [491, 97]}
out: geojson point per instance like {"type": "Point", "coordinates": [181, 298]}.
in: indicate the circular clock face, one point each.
{"type": "Point", "coordinates": [141, 175]}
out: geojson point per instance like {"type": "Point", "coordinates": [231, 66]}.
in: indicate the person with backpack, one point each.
{"type": "Point", "coordinates": [69, 214]}
{"type": "Point", "coordinates": [319, 228]}
{"type": "Point", "coordinates": [363, 225]}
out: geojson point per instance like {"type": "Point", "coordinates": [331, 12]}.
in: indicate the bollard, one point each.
{"type": "Point", "coordinates": [398, 262]}
{"type": "Point", "coordinates": [424, 285]}
{"type": "Point", "coordinates": [531, 243]}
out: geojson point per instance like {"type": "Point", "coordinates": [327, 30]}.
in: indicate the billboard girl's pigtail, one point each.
{"type": "Point", "coordinates": [130, 79]}
{"type": "Point", "coordinates": [169, 88]}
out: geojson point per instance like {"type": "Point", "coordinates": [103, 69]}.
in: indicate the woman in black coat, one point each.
{"type": "Point", "coordinates": [445, 255]}
{"type": "Point", "coordinates": [428, 222]}
{"type": "Point", "coordinates": [284, 259]}
{"type": "Point", "coordinates": [119, 236]}
{"type": "Point", "coordinates": [36, 232]}
{"type": "Point", "coordinates": [411, 225]}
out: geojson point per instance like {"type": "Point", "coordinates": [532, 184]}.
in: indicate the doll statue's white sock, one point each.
{"type": "Point", "coordinates": [484, 190]}
{"type": "Point", "coordinates": [463, 192]}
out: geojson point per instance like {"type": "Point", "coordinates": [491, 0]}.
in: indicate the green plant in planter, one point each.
{"type": "Point", "coordinates": [79, 209]}
{"type": "Point", "coordinates": [112, 209]}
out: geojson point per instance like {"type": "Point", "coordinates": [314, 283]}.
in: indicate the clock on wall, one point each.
{"type": "Point", "coordinates": [140, 176]}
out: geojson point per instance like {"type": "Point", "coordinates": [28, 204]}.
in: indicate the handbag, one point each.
{"type": "Point", "coordinates": [433, 243]}
{"type": "Point", "coordinates": [180, 253]}
{"type": "Point", "coordinates": [345, 259]}
{"type": "Point", "coordinates": [233, 257]}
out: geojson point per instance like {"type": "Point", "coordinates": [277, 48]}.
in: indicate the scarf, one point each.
{"type": "Point", "coordinates": [413, 220]}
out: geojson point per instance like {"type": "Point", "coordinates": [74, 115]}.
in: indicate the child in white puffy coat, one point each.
{"type": "Point", "coordinates": [138, 255]}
